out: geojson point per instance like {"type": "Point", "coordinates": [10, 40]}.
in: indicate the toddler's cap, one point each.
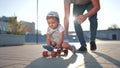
{"type": "Point", "coordinates": [53, 14]}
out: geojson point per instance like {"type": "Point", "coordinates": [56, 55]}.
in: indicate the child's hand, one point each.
{"type": "Point", "coordinates": [58, 46]}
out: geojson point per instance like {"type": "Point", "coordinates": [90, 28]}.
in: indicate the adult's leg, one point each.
{"type": "Point", "coordinates": [93, 27]}
{"type": "Point", "coordinates": [78, 10]}
{"type": "Point", "coordinates": [93, 23]}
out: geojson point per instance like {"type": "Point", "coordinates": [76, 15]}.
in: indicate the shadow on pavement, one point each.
{"type": "Point", "coordinates": [52, 62]}
{"type": "Point", "coordinates": [110, 59]}
{"type": "Point", "coordinates": [90, 61]}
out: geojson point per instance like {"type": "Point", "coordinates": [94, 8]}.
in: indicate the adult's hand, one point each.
{"type": "Point", "coordinates": [81, 18]}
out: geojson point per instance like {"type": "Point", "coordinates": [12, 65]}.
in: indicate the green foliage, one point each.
{"type": "Point", "coordinates": [15, 27]}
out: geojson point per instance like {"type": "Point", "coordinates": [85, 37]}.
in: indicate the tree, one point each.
{"type": "Point", "coordinates": [113, 26]}
{"type": "Point", "coordinates": [15, 27]}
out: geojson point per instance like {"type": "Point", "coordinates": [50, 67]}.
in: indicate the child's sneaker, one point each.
{"type": "Point", "coordinates": [47, 47]}
{"type": "Point", "coordinates": [73, 49]}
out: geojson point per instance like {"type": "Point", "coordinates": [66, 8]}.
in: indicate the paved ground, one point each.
{"type": "Point", "coordinates": [29, 56]}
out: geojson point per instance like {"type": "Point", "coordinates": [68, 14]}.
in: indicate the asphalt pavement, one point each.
{"type": "Point", "coordinates": [107, 55]}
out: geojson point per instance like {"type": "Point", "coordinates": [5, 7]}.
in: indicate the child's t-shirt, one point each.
{"type": "Point", "coordinates": [55, 32]}
{"type": "Point", "coordinates": [77, 1]}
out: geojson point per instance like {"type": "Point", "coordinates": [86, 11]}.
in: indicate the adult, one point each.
{"type": "Point", "coordinates": [79, 6]}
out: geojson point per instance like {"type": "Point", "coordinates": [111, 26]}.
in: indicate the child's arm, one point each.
{"type": "Point", "coordinates": [59, 44]}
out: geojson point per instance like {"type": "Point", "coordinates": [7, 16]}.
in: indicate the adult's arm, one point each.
{"type": "Point", "coordinates": [95, 9]}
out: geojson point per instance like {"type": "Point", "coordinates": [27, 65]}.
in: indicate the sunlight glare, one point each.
{"type": "Point", "coordinates": [72, 18]}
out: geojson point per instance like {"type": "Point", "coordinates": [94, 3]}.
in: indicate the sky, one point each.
{"type": "Point", "coordinates": [26, 10]}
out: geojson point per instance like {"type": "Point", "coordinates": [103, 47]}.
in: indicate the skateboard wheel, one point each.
{"type": "Point", "coordinates": [54, 54]}
{"type": "Point", "coordinates": [45, 54]}
{"type": "Point", "coordinates": [66, 52]}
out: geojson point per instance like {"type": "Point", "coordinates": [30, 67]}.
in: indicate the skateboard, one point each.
{"type": "Point", "coordinates": [53, 51]}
